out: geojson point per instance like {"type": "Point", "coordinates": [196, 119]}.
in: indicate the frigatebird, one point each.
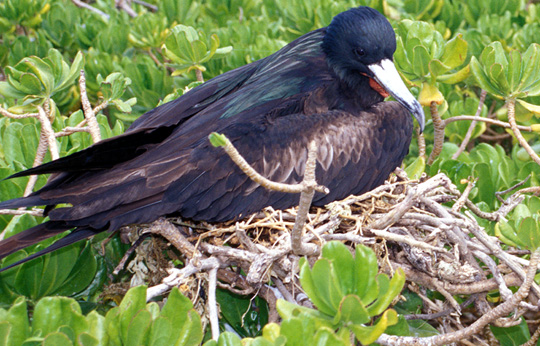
{"type": "Point", "coordinates": [328, 85]}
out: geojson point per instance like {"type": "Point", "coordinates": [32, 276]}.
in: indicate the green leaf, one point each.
{"type": "Point", "coordinates": [57, 339]}
{"type": "Point", "coordinates": [455, 52]}
{"type": "Point", "coordinates": [421, 59]}
{"type": "Point", "coordinates": [52, 313]}
{"type": "Point", "coordinates": [388, 291]}
{"type": "Point", "coordinates": [138, 329]}
{"type": "Point", "coordinates": [327, 284]}
{"type": "Point", "coordinates": [176, 311]}
{"type": "Point", "coordinates": [97, 328]}
{"type": "Point", "coordinates": [351, 310]}
{"type": "Point", "coordinates": [366, 270]}
{"type": "Point", "coordinates": [368, 335]}
{"type": "Point", "coordinates": [342, 263]}
{"type": "Point", "coordinates": [416, 168]}
{"type": "Point", "coordinates": [483, 80]}
{"type": "Point", "coordinates": [225, 339]}
{"type": "Point", "coordinates": [529, 233]}
{"type": "Point", "coordinates": [133, 302]}
{"type": "Point", "coordinates": [15, 325]}
{"type": "Point", "coordinates": [244, 314]}
{"type": "Point", "coordinates": [516, 335]}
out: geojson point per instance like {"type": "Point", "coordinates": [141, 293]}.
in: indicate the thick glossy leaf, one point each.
{"type": "Point", "coordinates": [225, 339]}
{"type": "Point", "coordinates": [138, 329]}
{"type": "Point", "coordinates": [327, 284]}
{"type": "Point", "coordinates": [51, 313]}
{"type": "Point", "coordinates": [505, 232]}
{"type": "Point", "coordinates": [14, 327]}
{"type": "Point", "coordinates": [271, 331]}
{"type": "Point", "coordinates": [298, 331]}
{"type": "Point", "coordinates": [57, 339]}
{"type": "Point", "coordinates": [483, 80]}
{"type": "Point", "coordinates": [530, 76]}
{"type": "Point", "coordinates": [342, 263]}
{"type": "Point", "coordinates": [161, 333]}
{"type": "Point", "coordinates": [366, 270]}
{"type": "Point", "coordinates": [388, 291]}
{"type": "Point", "coordinates": [420, 61]}
{"type": "Point", "coordinates": [327, 337]}
{"type": "Point", "coordinates": [351, 310]}
{"type": "Point", "coordinates": [191, 334]}
{"type": "Point", "coordinates": [246, 315]}
{"type": "Point", "coordinates": [415, 169]}
{"type": "Point", "coordinates": [529, 233]}
{"type": "Point", "coordinates": [456, 77]}
{"type": "Point", "coordinates": [430, 93]}
{"type": "Point", "coordinates": [177, 312]}
{"type": "Point", "coordinates": [133, 302]}
{"type": "Point", "coordinates": [96, 327]}
{"type": "Point", "coordinates": [516, 335]}
{"type": "Point", "coordinates": [455, 52]}
{"type": "Point", "coordinates": [368, 335]}
{"type": "Point", "coordinates": [82, 273]}
{"type": "Point", "coordinates": [113, 327]}
{"type": "Point", "coordinates": [311, 289]}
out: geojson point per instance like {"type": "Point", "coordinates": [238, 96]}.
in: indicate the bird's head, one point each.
{"type": "Point", "coordinates": [359, 45]}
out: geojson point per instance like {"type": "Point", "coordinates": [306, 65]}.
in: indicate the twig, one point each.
{"type": "Point", "coordinates": [468, 135]}
{"type": "Point", "coordinates": [264, 182]}
{"type": "Point", "coordinates": [499, 311]}
{"type": "Point", "coordinates": [93, 9]}
{"type": "Point", "coordinates": [33, 212]}
{"type": "Point", "coordinates": [90, 116]}
{"type": "Point", "coordinates": [440, 314]}
{"type": "Point", "coordinates": [398, 238]}
{"type": "Point", "coordinates": [510, 189]}
{"type": "Point", "coordinates": [421, 143]}
{"type": "Point", "coordinates": [486, 120]}
{"type": "Point", "coordinates": [199, 75]}
{"type": "Point", "coordinates": [122, 4]}
{"type": "Point", "coordinates": [212, 302]}
{"type": "Point", "coordinates": [152, 8]}
{"type": "Point", "coordinates": [462, 200]}
{"type": "Point", "coordinates": [128, 253]}
{"type": "Point", "coordinates": [438, 125]}
{"type": "Point", "coordinates": [306, 196]}
{"type": "Point", "coordinates": [504, 291]}
{"type": "Point", "coordinates": [511, 104]}
{"type": "Point", "coordinates": [48, 131]}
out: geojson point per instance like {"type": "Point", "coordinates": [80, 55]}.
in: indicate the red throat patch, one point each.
{"type": "Point", "coordinates": [378, 88]}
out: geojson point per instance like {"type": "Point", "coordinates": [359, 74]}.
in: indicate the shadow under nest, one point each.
{"type": "Point", "coordinates": [426, 227]}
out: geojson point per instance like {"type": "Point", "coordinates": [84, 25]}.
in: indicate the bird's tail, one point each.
{"type": "Point", "coordinates": [29, 201]}
{"type": "Point", "coordinates": [38, 233]}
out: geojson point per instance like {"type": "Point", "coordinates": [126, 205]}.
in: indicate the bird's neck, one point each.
{"type": "Point", "coordinates": [355, 88]}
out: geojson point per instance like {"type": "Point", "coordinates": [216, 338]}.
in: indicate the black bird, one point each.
{"type": "Point", "coordinates": [328, 85]}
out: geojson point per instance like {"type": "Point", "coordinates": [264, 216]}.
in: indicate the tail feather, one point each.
{"type": "Point", "coordinates": [31, 236]}
{"type": "Point", "coordinates": [71, 238]}
{"type": "Point", "coordinates": [29, 201]}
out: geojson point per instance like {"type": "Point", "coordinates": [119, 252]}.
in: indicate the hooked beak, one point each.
{"type": "Point", "coordinates": [387, 76]}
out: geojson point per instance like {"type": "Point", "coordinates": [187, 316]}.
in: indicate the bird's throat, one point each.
{"type": "Point", "coordinates": [378, 88]}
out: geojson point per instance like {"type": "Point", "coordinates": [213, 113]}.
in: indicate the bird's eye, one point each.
{"type": "Point", "coordinates": [359, 52]}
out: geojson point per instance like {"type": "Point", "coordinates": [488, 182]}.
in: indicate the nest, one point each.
{"type": "Point", "coordinates": [425, 227]}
